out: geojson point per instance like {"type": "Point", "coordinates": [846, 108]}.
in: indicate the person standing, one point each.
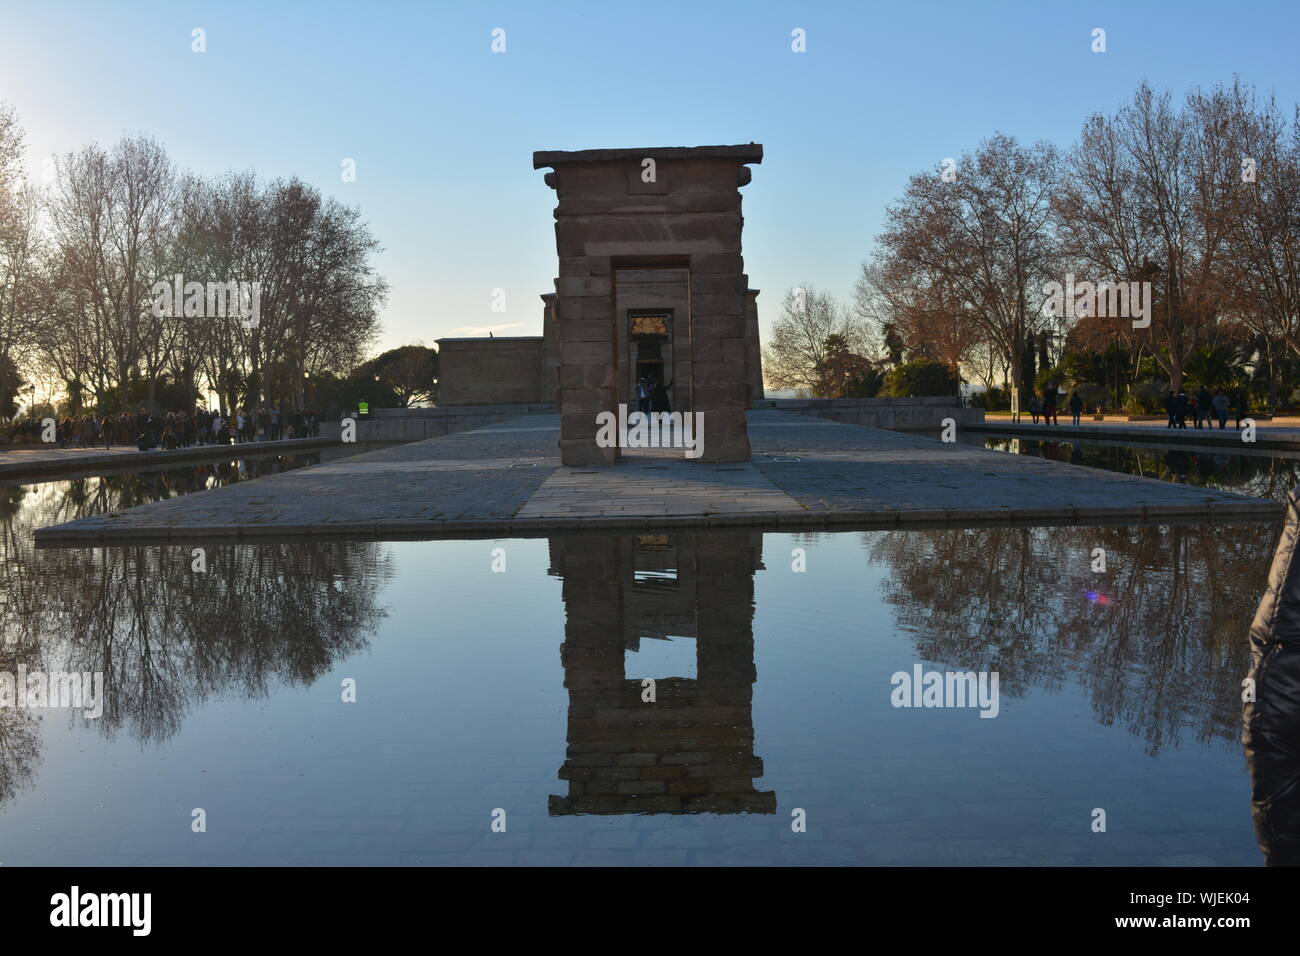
{"type": "Point", "coordinates": [1049, 404]}
{"type": "Point", "coordinates": [1204, 404]}
{"type": "Point", "coordinates": [1221, 408]}
{"type": "Point", "coordinates": [1180, 409]}
{"type": "Point", "coordinates": [1076, 407]}
{"type": "Point", "coordinates": [1035, 406]}
{"type": "Point", "coordinates": [659, 398]}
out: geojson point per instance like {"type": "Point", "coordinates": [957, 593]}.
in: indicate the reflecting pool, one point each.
{"type": "Point", "coordinates": [652, 699]}
{"type": "Point", "coordinates": [1261, 474]}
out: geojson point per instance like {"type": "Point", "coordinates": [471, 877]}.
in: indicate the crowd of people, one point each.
{"type": "Point", "coordinates": [1200, 408]}
{"type": "Point", "coordinates": [1203, 407]}
{"type": "Point", "coordinates": [174, 429]}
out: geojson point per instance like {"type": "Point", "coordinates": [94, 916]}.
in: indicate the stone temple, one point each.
{"type": "Point", "coordinates": [651, 282]}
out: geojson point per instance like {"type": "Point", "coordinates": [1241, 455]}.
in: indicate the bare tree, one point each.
{"type": "Point", "coordinates": [810, 342]}
{"type": "Point", "coordinates": [20, 252]}
{"type": "Point", "coordinates": [110, 214]}
{"type": "Point", "coordinates": [1138, 202]}
{"type": "Point", "coordinates": [1259, 203]}
{"type": "Point", "coordinates": [976, 244]}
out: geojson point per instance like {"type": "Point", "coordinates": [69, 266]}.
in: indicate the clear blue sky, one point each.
{"type": "Point", "coordinates": [443, 130]}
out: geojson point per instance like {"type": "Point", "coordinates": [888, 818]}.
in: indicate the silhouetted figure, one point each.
{"type": "Point", "coordinates": [659, 398]}
{"type": "Point", "coordinates": [1076, 407]}
{"type": "Point", "coordinates": [1035, 406]}
{"type": "Point", "coordinates": [1271, 715]}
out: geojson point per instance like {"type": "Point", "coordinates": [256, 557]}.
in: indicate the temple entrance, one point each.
{"type": "Point", "coordinates": [650, 337]}
{"type": "Point", "coordinates": [649, 360]}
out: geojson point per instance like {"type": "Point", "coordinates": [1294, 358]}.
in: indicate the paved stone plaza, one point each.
{"type": "Point", "coordinates": [506, 479]}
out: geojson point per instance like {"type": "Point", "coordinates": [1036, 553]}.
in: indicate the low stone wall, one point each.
{"type": "Point", "coordinates": [899, 414]}
{"type": "Point", "coordinates": [417, 424]}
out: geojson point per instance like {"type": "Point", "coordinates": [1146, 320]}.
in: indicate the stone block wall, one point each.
{"type": "Point", "coordinates": [417, 424]}
{"type": "Point", "coordinates": [899, 414]}
{"type": "Point", "coordinates": [491, 371]}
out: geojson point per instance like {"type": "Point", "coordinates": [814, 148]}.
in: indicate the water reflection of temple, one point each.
{"type": "Point", "coordinates": [692, 750]}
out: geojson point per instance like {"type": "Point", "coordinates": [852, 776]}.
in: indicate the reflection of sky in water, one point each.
{"type": "Point", "coordinates": [1259, 473]}
{"type": "Point", "coordinates": [1128, 703]}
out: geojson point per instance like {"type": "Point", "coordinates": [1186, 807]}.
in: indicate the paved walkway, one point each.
{"type": "Point", "coordinates": [506, 479]}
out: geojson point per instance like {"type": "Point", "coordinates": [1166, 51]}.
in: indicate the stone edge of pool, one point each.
{"type": "Point", "coordinates": [1266, 438]}
{"type": "Point", "coordinates": [1218, 512]}
{"type": "Point", "coordinates": [46, 466]}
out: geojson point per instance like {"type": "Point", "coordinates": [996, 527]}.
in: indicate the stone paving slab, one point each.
{"type": "Point", "coordinates": [506, 479]}
{"type": "Point", "coordinates": [463, 476]}
{"type": "Point", "coordinates": [851, 468]}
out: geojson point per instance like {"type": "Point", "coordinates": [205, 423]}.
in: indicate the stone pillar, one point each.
{"type": "Point", "coordinates": [550, 352]}
{"type": "Point", "coordinates": [639, 209]}
{"type": "Point", "coordinates": [754, 365]}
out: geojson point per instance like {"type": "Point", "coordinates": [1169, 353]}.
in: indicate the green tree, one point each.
{"type": "Point", "coordinates": [410, 372]}
{"type": "Point", "coordinates": [922, 377]}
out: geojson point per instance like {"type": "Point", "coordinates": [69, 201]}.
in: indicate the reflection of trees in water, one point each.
{"type": "Point", "coordinates": [1263, 476]}
{"type": "Point", "coordinates": [20, 752]}
{"type": "Point", "coordinates": [165, 637]}
{"type": "Point", "coordinates": [76, 498]}
{"type": "Point", "coordinates": [1157, 641]}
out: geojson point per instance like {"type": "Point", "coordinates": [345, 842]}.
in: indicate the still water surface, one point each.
{"type": "Point", "coordinates": [1261, 474]}
{"type": "Point", "coordinates": [520, 690]}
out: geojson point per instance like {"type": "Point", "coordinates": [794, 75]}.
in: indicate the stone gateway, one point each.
{"type": "Point", "coordinates": [652, 286]}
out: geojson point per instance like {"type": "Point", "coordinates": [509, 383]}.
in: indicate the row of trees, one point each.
{"type": "Point", "coordinates": [80, 257]}
{"type": "Point", "coordinates": [1199, 198]}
